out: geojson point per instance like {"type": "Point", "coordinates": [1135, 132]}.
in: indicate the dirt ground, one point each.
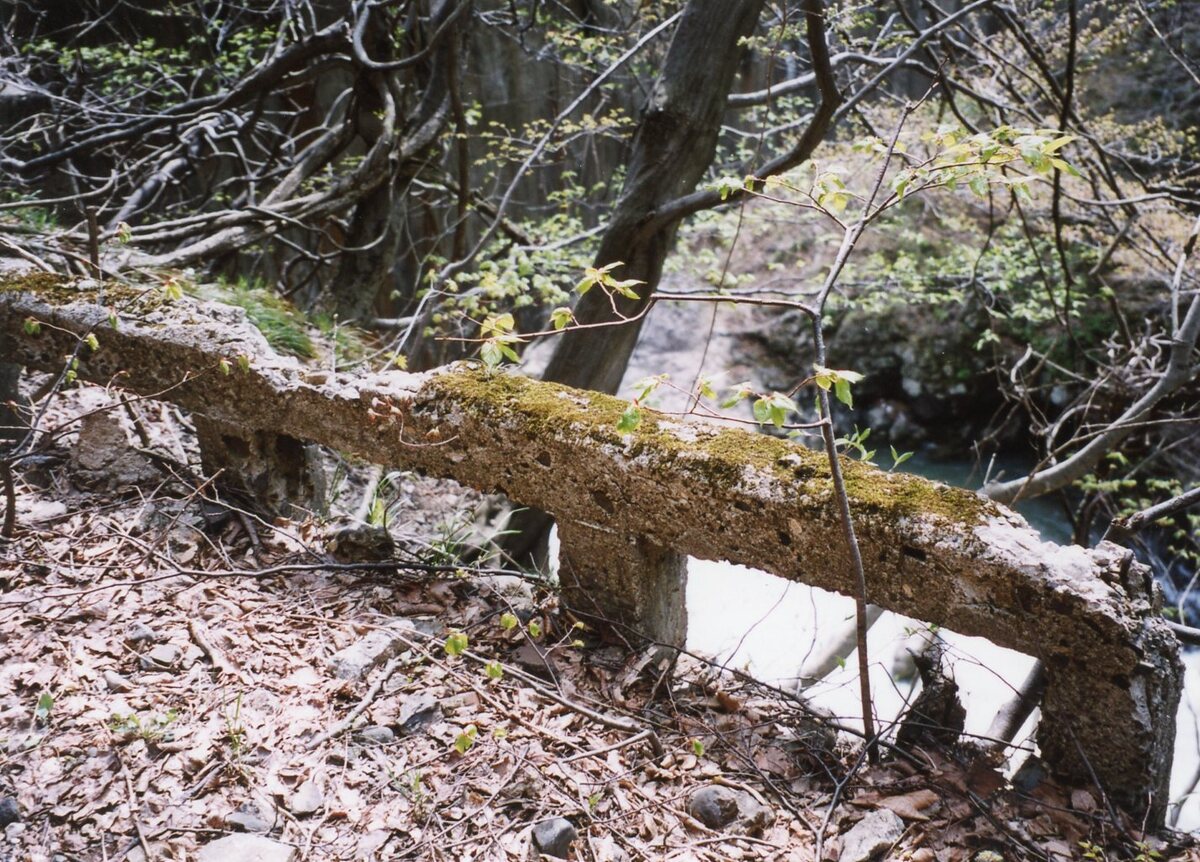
{"type": "Point", "coordinates": [178, 672]}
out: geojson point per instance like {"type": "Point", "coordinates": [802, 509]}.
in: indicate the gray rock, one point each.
{"type": "Point", "coordinates": [714, 806]}
{"type": "Point", "coordinates": [874, 834]}
{"type": "Point", "coordinates": [720, 807]}
{"type": "Point", "coordinates": [376, 735]}
{"type": "Point", "coordinates": [379, 645]}
{"type": "Point", "coordinates": [419, 711]}
{"type": "Point", "coordinates": [247, 820]}
{"type": "Point", "coordinates": [117, 683]}
{"type": "Point", "coordinates": [163, 657]}
{"type": "Point", "coordinates": [138, 633]}
{"type": "Point", "coordinates": [553, 837]}
{"type": "Point", "coordinates": [9, 811]}
{"type": "Point", "coordinates": [517, 590]}
{"type": "Point", "coordinates": [246, 848]}
{"type": "Point", "coordinates": [355, 542]}
{"type": "Point", "coordinates": [307, 798]}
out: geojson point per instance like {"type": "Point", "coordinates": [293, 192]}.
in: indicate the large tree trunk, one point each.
{"type": "Point", "coordinates": [672, 149]}
{"type": "Point", "coordinates": [674, 146]}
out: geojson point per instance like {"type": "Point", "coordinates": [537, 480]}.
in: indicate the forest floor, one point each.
{"type": "Point", "coordinates": [177, 674]}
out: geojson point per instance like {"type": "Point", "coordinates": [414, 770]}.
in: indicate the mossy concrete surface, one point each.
{"type": "Point", "coordinates": [672, 488]}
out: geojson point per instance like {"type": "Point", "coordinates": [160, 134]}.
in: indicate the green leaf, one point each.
{"type": "Point", "coordinates": [762, 411]}
{"type": "Point", "coordinates": [32, 326]}
{"type": "Point", "coordinates": [493, 670]}
{"type": "Point", "coordinates": [243, 362]}
{"type": "Point", "coordinates": [464, 741]}
{"type": "Point", "coordinates": [646, 386]}
{"type": "Point", "coordinates": [697, 748]}
{"type": "Point", "coordinates": [92, 341]}
{"type": "Point", "coordinates": [842, 390]}
{"type": "Point", "coordinates": [741, 393]}
{"type": "Point", "coordinates": [225, 367]}
{"type": "Point", "coordinates": [508, 621]}
{"type": "Point", "coordinates": [45, 703]}
{"type": "Point", "coordinates": [725, 186]}
{"type": "Point", "coordinates": [626, 287]}
{"type": "Point", "coordinates": [456, 644]}
{"type": "Point", "coordinates": [534, 628]}
{"type": "Point", "coordinates": [378, 513]}
{"type": "Point", "coordinates": [491, 353]}
{"type": "Point", "coordinates": [560, 318]}
{"type": "Point", "coordinates": [630, 419]}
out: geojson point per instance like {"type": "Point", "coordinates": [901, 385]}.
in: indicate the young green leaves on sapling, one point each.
{"type": "Point", "coordinates": [773, 408]}
{"type": "Point", "coordinates": [603, 277]}
{"type": "Point", "coordinates": [561, 318]}
{"type": "Point", "coordinates": [840, 380]}
{"type": "Point", "coordinates": [498, 338]}
{"type": "Point", "coordinates": [898, 458]}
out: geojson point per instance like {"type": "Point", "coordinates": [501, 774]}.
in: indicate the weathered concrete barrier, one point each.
{"type": "Point", "coordinates": [629, 503]}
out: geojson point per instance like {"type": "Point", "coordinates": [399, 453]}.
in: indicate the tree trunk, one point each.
{"type": "Point", "coordinates": [672, 149]}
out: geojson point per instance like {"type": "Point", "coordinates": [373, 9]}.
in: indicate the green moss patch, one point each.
{"type": "Point", "coordinates": [719, 458]}
{"type": "Point", "coordinates": [61, 290]}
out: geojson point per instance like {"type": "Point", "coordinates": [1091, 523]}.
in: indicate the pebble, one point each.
{"type": "Point", "coordinates": [140, 633]}
{"type": "Point", "coordinates": [10, 812]}
{"type": "Point", "coordinates": [116, 682]}
{"type": "Point", "coordinates": [164, 657]}
{"type": "Point", "coordinates": [553, 837]}
{"type": "Point", "coordinates": [307, 798]}
{"type": "Point", "coordinates": [377, 735]}
{"type": "Point", "coordinates": [247, 821]}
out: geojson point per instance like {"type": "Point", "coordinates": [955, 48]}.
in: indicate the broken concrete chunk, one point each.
{"type": "Point", "coordinates": [378, 646]}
